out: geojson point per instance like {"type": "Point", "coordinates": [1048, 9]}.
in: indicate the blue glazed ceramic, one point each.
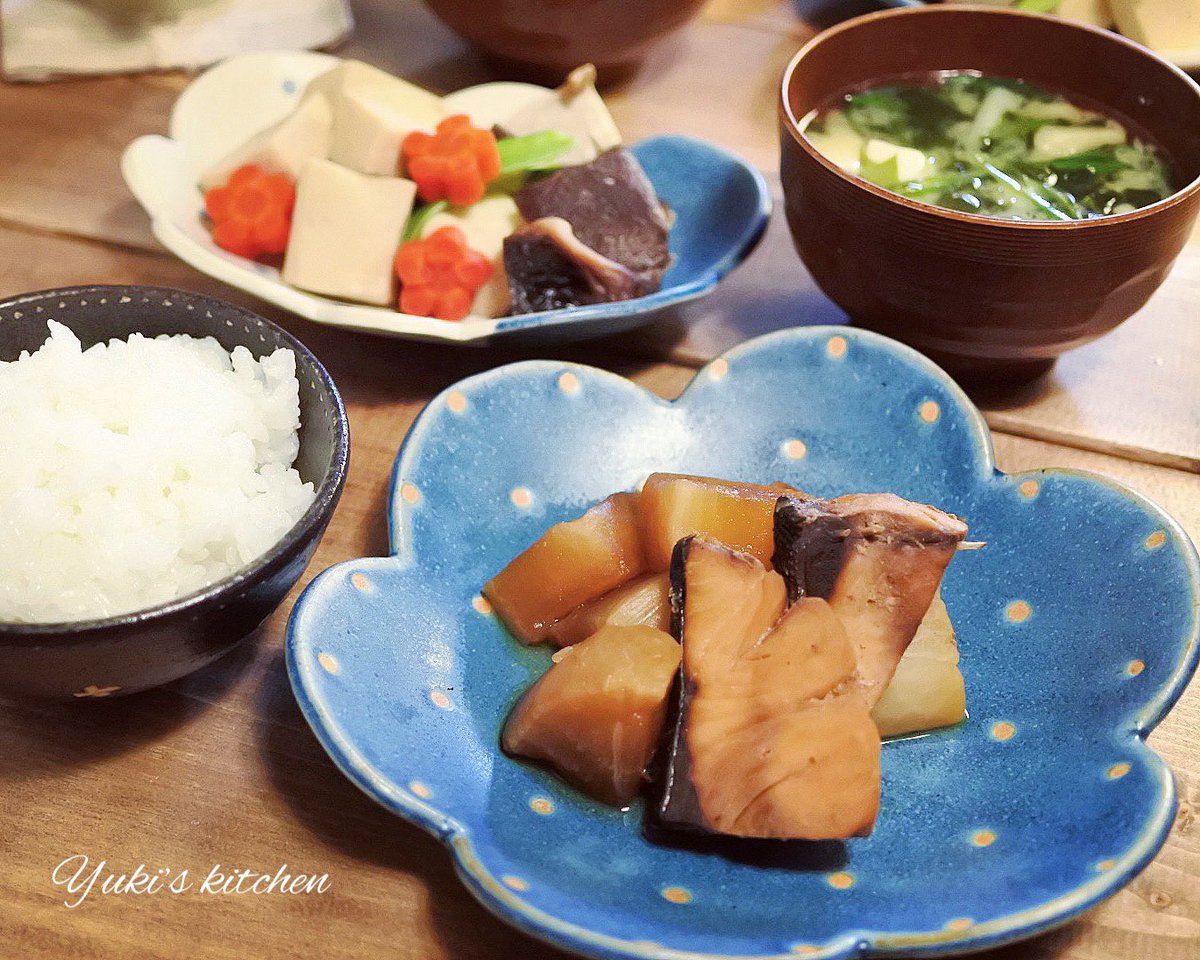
{"type": "Point", "coordinates": [721, 207]}
{"type": "Point", "coordinates": [1078, 629]}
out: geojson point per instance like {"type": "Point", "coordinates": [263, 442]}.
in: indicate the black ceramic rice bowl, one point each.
{"type": "Point", "coordinates": [134, 651]}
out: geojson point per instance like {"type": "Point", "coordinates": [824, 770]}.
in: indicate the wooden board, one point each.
{"type": "Point", "coordinates": [1135, 392]}
{"type": "Point", "coordinates": [220, 767]}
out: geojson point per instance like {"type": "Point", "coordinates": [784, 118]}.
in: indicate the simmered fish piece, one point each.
{"type": "Point", "coordinates": [877, 558]}
{"type": "Point", "coordinates": [772, 737]}
{"type": "Point", "coordinates": [612, 208]}
{"type": "Point", "coordinates": [549, 268]}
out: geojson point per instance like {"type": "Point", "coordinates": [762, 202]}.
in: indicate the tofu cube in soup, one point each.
{"type": "Point", "coordinates": [284, 147]}
{"type": "Point", "coordinates": [910, 164]}
{"type": "Point", "coordinates": [345, 230]}
{"type": "Point", "coordinates": [373, 112]}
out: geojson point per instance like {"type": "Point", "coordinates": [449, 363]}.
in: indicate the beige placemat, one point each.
{"type": "Point", "coordinates": [42, 39]}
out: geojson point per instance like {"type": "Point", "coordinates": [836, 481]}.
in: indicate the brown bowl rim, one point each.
{"type": "Point", "coordinates": [793, 124]}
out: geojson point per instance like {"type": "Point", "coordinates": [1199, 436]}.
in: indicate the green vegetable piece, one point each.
{"type": "Point", "coordinates": [878, 113]}
{"type": "Point", "coordinates": [535, 151]}
{"type": "Point", "coordinates": [1017, 128]}
{"type": "Point", "coordinates": [1097, 160]}
{"type": "Point", "coordinates": [885, 174]}
{"type": "Point", "coordinates": [1061, 205]}
{"type": "Point", "coordinates": [420, 217]}
{"type": "Point", "coordinates": [1038, 6]}
{"type": "Point", "coordinates": [997, 147]}
{"type": "Point", "coordinates": [510, 183]}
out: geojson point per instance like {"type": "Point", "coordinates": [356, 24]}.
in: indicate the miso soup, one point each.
{"type": "Point", "coordinates": [991, 146]}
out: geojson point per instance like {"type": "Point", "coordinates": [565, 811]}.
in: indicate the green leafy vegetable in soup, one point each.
{"type": "Point", "coordinates": [992, 146]}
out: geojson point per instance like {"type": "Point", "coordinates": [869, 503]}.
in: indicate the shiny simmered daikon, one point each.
{"type": "Point", "coordinates": [571, 563]}
{"type": "Point", "coordinates": [927, 690]}
{"type": "Point", "coordinates": [596, 716]}
{"type": "Point", "coordinates": [642, 601]}
{"type": "Point", "coordinates": [739, 515]}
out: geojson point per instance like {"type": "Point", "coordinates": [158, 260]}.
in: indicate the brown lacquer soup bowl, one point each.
{"type": "Point", "coordinates": [987, 298]}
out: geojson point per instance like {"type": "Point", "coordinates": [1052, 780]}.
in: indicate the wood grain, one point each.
{"type": "Point", "coordinates": [1135, 392]}
{"type": "Point", "coordinates": [220, 767]}
{"type": "Point", "coordinates": [62, 173]}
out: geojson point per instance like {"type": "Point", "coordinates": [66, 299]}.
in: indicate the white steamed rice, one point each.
{"type": "Point", "coordinates": [139, 471]}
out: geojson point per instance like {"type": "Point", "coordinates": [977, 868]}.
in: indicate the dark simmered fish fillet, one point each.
{"type": "Point", "coordinates": [877, 558]}
{"type": "Point", "coordinates": [772, 737]}
{"type": "Point", "coordinates": [548, 268]}
{"type": "Point", "coordinates": [612, 208]}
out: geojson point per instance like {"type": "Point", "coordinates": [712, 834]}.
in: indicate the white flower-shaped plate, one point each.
{"type": "Point", "coordinates": [720, 202]}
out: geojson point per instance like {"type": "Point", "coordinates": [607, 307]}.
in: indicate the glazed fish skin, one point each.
{"type": "Point", "coordinates": [611, 207]}
{"type": "Point", "coordinates": [772, 737]}
{"type": "Point", "coordinates": [877, 558]}
{"type": "Point", "coordinates": [548, 268]}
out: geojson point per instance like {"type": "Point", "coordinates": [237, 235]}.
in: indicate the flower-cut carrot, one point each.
{"type": "Point", "coordinates": [252, 213]}
{"type": "Point", "coordinates": [456, 163]}
{"type": "Point", "coordinates": [440, 275]}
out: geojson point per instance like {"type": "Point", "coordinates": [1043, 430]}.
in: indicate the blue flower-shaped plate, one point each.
{"type": "Point", "coordinates": [1077, 626]}
{"type": "Point", "coordinates": [721, 203]}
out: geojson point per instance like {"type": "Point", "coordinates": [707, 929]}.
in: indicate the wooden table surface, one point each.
{"type": "Point", "coordinates": [221, 768]}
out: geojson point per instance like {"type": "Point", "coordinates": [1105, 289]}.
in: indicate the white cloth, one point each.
{"type": "Point", "coordinates": [45, 38]}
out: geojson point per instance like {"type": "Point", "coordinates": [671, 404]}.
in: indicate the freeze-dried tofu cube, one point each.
{"type": "Point", "coordinates": [373, 112]}
{"type": "Point", "coordinates": [284, 147]}
{"type": "Point", "coordinates": [345, 230]}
